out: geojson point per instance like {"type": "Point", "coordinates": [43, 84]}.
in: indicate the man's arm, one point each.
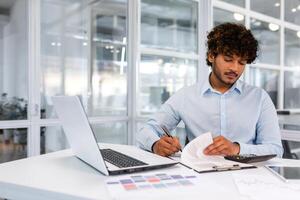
{"type": "Point", "coordinates": [168, 115]}
{"type": "Point", "coordinates": [268, 136]}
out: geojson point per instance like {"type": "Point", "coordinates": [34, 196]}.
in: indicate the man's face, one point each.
{"type": "Point", "coordinates": [227, 69]}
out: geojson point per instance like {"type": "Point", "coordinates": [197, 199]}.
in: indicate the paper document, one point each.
{"type": "Point", "coordinates": [266, 187]}
{"type": "Point", "coordinates": [193, 156]}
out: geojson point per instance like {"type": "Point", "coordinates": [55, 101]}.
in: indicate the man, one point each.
{"type": "Point", "coordinates": [242, 118]}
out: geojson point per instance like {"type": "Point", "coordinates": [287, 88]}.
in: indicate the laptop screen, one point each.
{"type": "Point", "coordinates": [78, 131]}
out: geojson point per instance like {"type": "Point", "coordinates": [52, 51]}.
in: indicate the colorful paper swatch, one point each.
{"type": "Point", "coordinates": [155, 181]}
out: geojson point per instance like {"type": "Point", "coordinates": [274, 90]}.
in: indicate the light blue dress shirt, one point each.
{"type": "Point", "coordinates": [243, 114]}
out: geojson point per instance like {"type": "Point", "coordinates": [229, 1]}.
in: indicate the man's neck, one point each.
{"type": "Point", "coordinates": [218, 84]}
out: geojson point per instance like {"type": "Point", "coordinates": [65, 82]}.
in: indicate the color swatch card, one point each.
{"type": "Point", "coordinates": [149, 186]}
{"type": "Point", "coordinates": [154, 181]}
{"type": "Point", "coordinates": [177, 183]}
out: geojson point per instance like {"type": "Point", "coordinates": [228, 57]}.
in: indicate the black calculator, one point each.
{"type": "Point", "coordinates": [250, 158]}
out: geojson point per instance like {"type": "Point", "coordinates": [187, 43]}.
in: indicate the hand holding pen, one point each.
{"type": "Point", "coordinates": [167, 144]}
{"type": "Point", "coordinates": [168, 133]}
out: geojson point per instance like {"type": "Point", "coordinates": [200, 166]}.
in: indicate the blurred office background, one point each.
{"type": "Point", "coordinates": [125, 58]}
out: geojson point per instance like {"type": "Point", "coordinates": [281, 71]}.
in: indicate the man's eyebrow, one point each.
{"type": "Point", "coordinates": [242, 60]}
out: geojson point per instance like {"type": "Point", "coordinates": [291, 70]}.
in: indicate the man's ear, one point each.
{"type": "Point", "coordinates": [211, 57]}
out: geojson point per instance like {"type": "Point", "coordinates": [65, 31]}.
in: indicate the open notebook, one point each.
{"type": "Point", "coordinates": [193, 157]}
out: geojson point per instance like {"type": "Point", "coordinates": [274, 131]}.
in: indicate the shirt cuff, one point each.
{"type": "Point", "coordinates": [239, 147]}
{"type": "Point", "coordinates": [260, 149]}
{"type": "Point", "coordinates": [151, 139]}
{"type": "Point", "coordinates": [245, 148]}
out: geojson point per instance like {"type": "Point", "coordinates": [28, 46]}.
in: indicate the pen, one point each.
{"type": "Point", "coordinates": [167, 133]}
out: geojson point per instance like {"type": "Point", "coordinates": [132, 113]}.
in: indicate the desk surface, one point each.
{"type": "Point", "coordinates": [60, 175]}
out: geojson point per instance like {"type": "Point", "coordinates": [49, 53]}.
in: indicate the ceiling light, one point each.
{"type": "Point", "coordinates": [273, 27]}
{"type": "Point", "coordinates": [84, 44]}
{"type": "Point", "coordinates": [238, 16]}
{"type": "Point", "coordinates": [53, 43]}
{"type": "Point", "coordinates": [277, 4]}
{"type": "Point", "coordinates": [298, 34]}
{"type": "Point", "coordinates": [298, 7]}
{"type": "Point", "coordinates": [294, 10]}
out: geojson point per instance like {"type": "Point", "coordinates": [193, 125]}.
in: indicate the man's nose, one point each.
{"type": "Point", "coordinates": [235, 66]}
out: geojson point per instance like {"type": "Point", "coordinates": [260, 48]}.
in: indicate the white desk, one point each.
{"type": "Point", "coordinates": [60, 175]}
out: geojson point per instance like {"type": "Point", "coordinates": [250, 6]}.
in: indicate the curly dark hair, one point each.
{"type": "Point", "coordinates": [232, 39]}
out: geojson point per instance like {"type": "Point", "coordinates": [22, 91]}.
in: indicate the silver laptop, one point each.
{"type": "Point", "coordinates": [109, 159]}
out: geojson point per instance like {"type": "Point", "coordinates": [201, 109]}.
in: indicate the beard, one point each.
{"type": "Point", "coordinates": [227, 78]}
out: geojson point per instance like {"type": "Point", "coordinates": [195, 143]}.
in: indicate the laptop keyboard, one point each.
{"type": "Point", "coordinates": [120, 160]}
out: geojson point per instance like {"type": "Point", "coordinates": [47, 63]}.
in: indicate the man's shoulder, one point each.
{"type": "Point", "coordinates": [185, 92]}
{"type": "Point", "coordinates": [253, 90]}
{"type": "Point", "coordinates": [189, 88]}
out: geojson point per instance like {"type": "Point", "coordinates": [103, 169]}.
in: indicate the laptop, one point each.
{"type": "Point", "coordinates": [109, 159]}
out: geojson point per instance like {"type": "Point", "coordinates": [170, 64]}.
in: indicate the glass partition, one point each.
{"type": "Point", "coordinates": [109, 57]}
{"type": "Point", "coordinates": [292, 48]}
{"type": "Point", "coordinates": [291, 89]}
{"type": "Point", "coordinates": [111, 132]}
{"type": "Point", "coordinates": [13, 144]}
{"type": "Point", "coordinates": [221, 16]}
{"type": "Point", "coordinates": [270, 7]}
{"type": "Point", "coordinates": [291, 11]}
{"type": "Point", "coordinates": [160, 77]}
{"type": "Point", "coordinates": [13, 60]}
{"type": "Point", "coordinates": [83, 52]}
{"type": "Point", "coordinates": [268, 36]}
{"type": "Point", "coordinates": [266, 79]}
{"type": "Point", "coordinates": [170, 25]}
{"type": "Point", "coordinates": [54, 139]}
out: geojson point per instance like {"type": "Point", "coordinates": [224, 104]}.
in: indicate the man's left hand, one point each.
{"type": "Point", "coordinates": [222, 146]}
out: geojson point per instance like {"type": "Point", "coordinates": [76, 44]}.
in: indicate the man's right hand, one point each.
{"type": "Point", "coordinates": [166, 146]}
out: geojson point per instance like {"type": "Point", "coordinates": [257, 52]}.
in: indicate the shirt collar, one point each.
{"type": "Point", "coordinates": [237, 86]}
{"type": "Point", "coordinates": [206, 87]}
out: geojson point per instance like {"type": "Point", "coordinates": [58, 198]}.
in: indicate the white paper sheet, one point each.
{"type": "Point", "coordinates": [266, 187]}
{"type": "Point", "coordinates": [193, 151]}
{"type": "Point", "coordinates": [193, 156]}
